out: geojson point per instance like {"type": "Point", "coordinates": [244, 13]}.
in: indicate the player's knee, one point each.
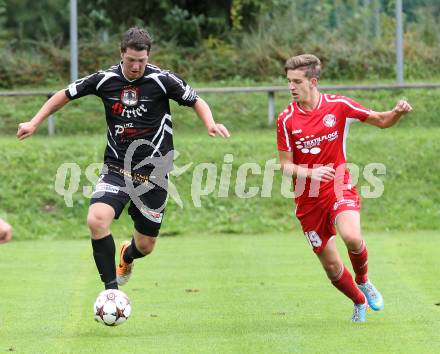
{"type": "Point", "coordinates": [332, 270]}
{"type": "Point", "coordinates": [97, 221]}
{"type": "Point", "coordinates": [146, 246]}
{"type": "Point", "coordinates": [352, 240]}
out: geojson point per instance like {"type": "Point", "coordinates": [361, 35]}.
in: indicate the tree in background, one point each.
{"type": "Point", "coordinates": [185, 22]}
{"type": "Point", "coordinates": [231, 38]}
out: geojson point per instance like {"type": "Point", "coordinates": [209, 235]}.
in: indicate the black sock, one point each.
{"type": "Point", "coordinates": [104, 255]}
{"type": "Point", "coordinates": [112, 285]}
{"type": "Point", "coordinates": [132, 252]}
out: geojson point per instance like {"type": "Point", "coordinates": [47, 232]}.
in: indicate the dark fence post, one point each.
{"type": "Point", "coordinates": [270, 107]}
{"type": "Point", "coordinates": [51, 121]}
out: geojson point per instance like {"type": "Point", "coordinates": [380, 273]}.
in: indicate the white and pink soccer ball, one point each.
{"type": "Point", "coordinates": [112, 307]}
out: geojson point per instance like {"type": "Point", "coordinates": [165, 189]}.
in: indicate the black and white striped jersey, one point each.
{"type": "Point", "coordinates": [136, 111]}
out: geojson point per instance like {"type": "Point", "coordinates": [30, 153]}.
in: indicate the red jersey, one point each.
{"type": "Point", "coordinates": [318, 137]}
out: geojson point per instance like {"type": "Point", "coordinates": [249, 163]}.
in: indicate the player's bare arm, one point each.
{"type": "Point", "coordinates": [388, 119]}
{"type": "Point", "coordinates": [321, 173]}
{"type": "Point", "coordinates": [57, 101]}
{"type": "Point", "coordinates": [5, 231]}
{"type": "Point", "coordinates": [204, 113]}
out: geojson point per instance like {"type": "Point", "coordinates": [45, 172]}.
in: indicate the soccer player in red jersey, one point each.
{"type": "Point", "coordinates": [5, 231]}
{"type": "Point", "coordinates": [311, 134]}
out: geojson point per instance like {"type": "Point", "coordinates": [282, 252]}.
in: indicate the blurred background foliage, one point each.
{"type": "Point", "coordinates": [207, 40]}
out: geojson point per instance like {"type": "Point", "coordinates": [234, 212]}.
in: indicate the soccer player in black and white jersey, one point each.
{"type": "Point", "coordinates": [5, 231]}
{"type": "Point", "coordinates": [139, 149]}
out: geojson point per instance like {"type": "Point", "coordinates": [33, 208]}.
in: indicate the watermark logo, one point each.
{"type": "Point", "coordinates": [245, 181]}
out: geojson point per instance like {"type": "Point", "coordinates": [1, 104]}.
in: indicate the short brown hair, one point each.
{"type": "Point", "coordinates": [136, 38]}
{"type": "Point", "coordinates": [309, 63]}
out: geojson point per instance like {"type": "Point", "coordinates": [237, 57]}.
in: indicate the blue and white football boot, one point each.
{"type": "Point", "coordinates": [359, 312]}
{"type": "Point", "coordinates": [374, 298]}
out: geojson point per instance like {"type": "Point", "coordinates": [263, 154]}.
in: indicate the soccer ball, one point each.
{"type": "Point", "coordinates": [112, 307]}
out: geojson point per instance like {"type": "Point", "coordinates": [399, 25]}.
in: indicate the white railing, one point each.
{"type": "Point", "coordinates": [270, 90]}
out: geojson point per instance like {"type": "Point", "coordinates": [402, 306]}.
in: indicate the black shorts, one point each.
{"type": "Point", "coordinates": [146, 210]}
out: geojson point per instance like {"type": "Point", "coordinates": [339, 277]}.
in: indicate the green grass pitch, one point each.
{"type": "Point", "coordinates": [212, 293]}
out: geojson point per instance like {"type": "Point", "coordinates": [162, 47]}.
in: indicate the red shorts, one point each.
{"type": "Point", "coordinates": [317, 216]}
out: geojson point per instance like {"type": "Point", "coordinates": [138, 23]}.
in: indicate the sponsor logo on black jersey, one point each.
{"type": "Point", "coordinates": [117, 108]}
{"type": "Point", "coordinates": [128, 132]}
{"type": "Point", "coordinates": [130, 96]}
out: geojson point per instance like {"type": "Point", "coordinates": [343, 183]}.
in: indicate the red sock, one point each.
{"type": "Point", "coordinates": [359, 260]}
{"type": "Point", "coordinates": [346, 285]}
